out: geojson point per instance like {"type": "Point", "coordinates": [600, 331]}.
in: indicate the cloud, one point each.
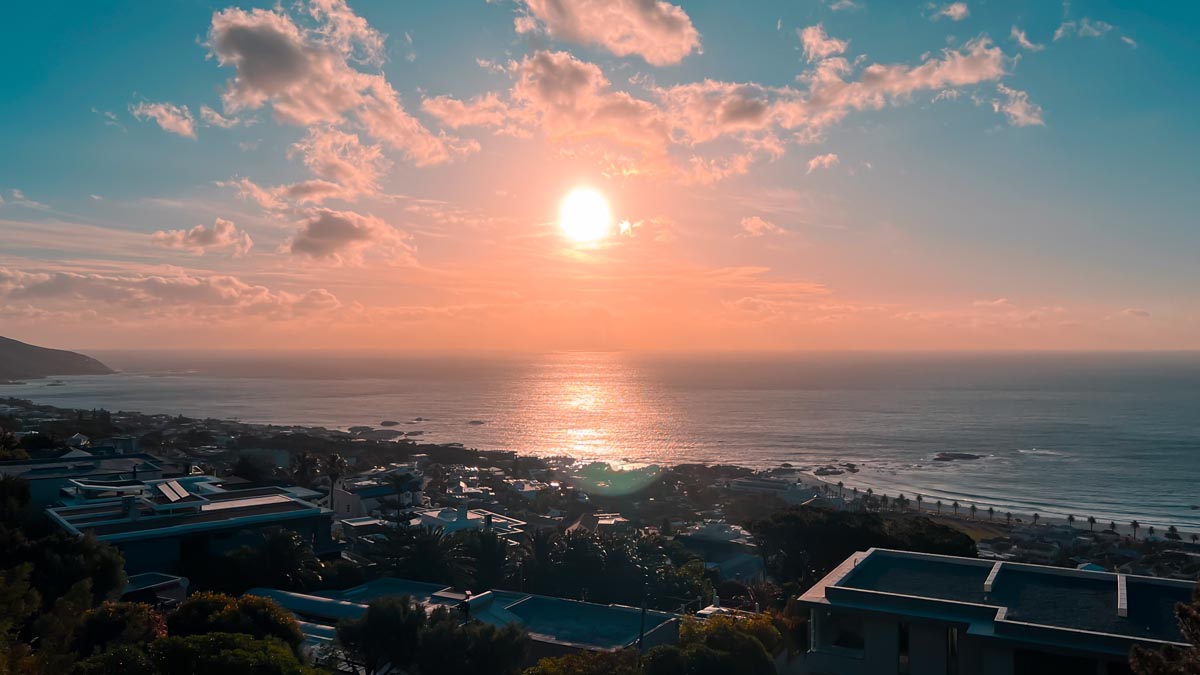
{"type": "Point", "coordinates": [215, 119]}
{"type": "Point", "coordinates": [201, 239]}
{"type": "Point", "coordinates": [843, 5]}
{"type": "Point", "coordinates": [573, 105]}
{"type": "Point", "coordinates": [1016, 106]}
{"type": "Point", "coordinates": [342, 158]}
{"type": "Point", "coordinates": [18, 198]}
{"type": "Point", "coordinates": [955, 11]}
{"type": "Point", "coordinates": [1021, 39]}
{"type": "Point", "coordinates": [822, 162]}
{"type": "Point", "coordinates": [174, 293]}
{"type": "Point", "coordinates": [176, 119]}
{"type": "Point", "coordinates": [1135, 313]}
{"type": "Point", "coordinates": [818, 45]}
{"type": "Point", "coordinates": [344, 236]}
{"type": "Point", "coordinates": [1129, 41]}
{"type": "Point", "coordinates": [307, 78]}
{"type": "Point", "coordinates": [657, 31]}
{"type": "Point", "coordinates": [110, 118]}
{"type": "Point", "coordinates": [753, 226]}
{"type": "Point", "coordinates": [1085, 27]}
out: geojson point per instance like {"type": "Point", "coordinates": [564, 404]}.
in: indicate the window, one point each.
{"type": "Point", "coordinates": [902, 666]}
{"type": "Point", "coordinates": [845, 631]}
{"type": "Point", "coordinates": [952, 651]}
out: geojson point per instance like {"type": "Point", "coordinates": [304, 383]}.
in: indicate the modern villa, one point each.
{"type": "Point", "coordinates": [556, 626]}
{"type": "Point", "coordinates": [159, 524]}
{"type": "Point", "coordinates": [884, 611]}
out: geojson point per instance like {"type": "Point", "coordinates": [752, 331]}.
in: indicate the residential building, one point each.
{"type": "Point", "coordinates": [451, 520]}
{"type": "Point", "coordinates": [884, 611]}
{"type": "Point", "coordinates": [367, 494]}
{"type": "Point", "coordinates": [47, 477]}
{"type": "Point", "coordinates": [790, 491]}
{"type": "Point", "coordinates": [163, 525]}
{"type": "Point", "coordinates": [556, 626]}
{"type": "Point", "coordinates": [727, 549]}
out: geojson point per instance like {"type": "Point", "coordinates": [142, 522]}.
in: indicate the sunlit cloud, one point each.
{"type": "Point", "coordinates": [223, 235]}
{"type": "Point", "coordinates": [1016, 106]}
{"type": "Point", "coordinates": [655, 30]}
{"type": "Point", "coordinates": [176, 119]}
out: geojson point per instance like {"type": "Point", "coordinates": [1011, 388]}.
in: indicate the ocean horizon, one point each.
{"type": "Point", "coordinates": [1110, 435]}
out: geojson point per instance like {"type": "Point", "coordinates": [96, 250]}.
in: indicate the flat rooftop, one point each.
{"type": "Point", "coordinates": [1004, 599]}
{"type": "Point", "coordinates": [547, 619]}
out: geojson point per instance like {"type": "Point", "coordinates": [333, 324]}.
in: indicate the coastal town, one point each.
{"type": "Point", "coordinates": [574, 565]}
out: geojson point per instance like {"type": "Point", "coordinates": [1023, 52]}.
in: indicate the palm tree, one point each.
{"type": "Point", "coordinates": [335, 468]}
{"type": "Point", "coordinates": [288, 560]}
{"type": "Point", "coordinates": [1172, 532]}
{"type": "Point", "coordinates": [1071, 520]}
{"type": "Point", "coordinates": [1134, 525]}
{"type": "Point", "coordinates": [974, 509]}
{"type": "Point", "coordinates": [955, 507]}
{"type": "Point", "coordinates": [1008, 518]}
{"type": "Point", "coordinates": [304, 468]}
{"type": "Point", "coordinates": [919, 500]}
{"type": "Point", "coordinates": [399, 483]}
{"type": "Point", "coordinates": [841, 489]}
{"type": "Point", "coordinates": [1036, 518]}
{"type": "Point", "coordinates": [939, 506]}
{"type": "Point", "coordinates": [1091, 523]}
{"type": "Point", "coordinates": [991, 513]}
{"type": "Point", "coordinates": [425, 554]}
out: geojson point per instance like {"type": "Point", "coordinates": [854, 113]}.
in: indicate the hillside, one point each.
{"type": "Point", "coordinates": [19, 361]}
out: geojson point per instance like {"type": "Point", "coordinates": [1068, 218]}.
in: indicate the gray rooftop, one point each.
{"type": "Point", "coordinates": [1008, 600]}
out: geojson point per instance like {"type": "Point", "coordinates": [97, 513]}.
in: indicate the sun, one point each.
{"type": "Point", "coordinates": [584, 216]}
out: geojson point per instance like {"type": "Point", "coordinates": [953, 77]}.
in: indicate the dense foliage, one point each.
{"type": "Point", "coordinates": [803, 544]}
{"type": "Point", "coordinates": [396, 633]}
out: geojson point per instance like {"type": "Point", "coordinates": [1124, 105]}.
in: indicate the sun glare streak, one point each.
{"type": "Point", "coordinates": [584, 216]}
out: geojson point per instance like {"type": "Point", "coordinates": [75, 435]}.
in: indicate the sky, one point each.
{"type": "Point", "coordinates": [789, 175]}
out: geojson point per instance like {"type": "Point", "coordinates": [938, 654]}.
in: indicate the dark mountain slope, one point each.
{"type": "Point", "coordinates": [20, 361]}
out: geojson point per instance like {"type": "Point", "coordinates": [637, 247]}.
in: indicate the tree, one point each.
{"type": "Point", "coordinates": [449, 647]}
{"type": "Point", "coordinates": [125, 659]}
{"type": "Point", "coordinates": [256, 468]}
{"type": "Point", "coordinates": [489, 553]}
{"type": "Point", "coordinates": [1091, 523]}
{"type": "Point", "coordinates": [304, 468]}
{"type": "Point", "coordinates": [387, 634]}
{"type": "Point", "coordinates": [620, 662]}
{"type": "Point", "coordinates": [225, 654]}
{"type": "Point", "coordinates": [1134, 525]}
{"type": "Point", "coordinates": [1173, 533]}
{"type": "Point", "coordinates": [974, 510]}
{"type": "Point", "coordinates": [841, 489]}
{"type": "Point", "coordinates": [282, 560]}
{"type": "Point", "coordinates": [114, 624]}
{"type": "Point", "coordinates": [425, 554]}
{"type": "Point", "coordinates": [939, 506]}
{"type": "Point", "coordinates": [257, 617]}
{"type": "Point", "coordinates": [1174, 660]}
{"type": "Point", "coordinates": [18, 602]}
{"type": "Point", "coordinates": [335, 469]}
{"type": "Point", "coordinates": [920, 499]}
{"type": "Point", "coordinates": [400, 484]}
{"type": "Point", "coordinates": [955, 507]}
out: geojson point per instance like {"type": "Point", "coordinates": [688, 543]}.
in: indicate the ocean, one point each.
{"type": "Point", "coordinates": [1115, 436]}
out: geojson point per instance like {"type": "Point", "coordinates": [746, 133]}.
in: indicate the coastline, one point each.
{"type": "Point", "coordinates": [804, 474]}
